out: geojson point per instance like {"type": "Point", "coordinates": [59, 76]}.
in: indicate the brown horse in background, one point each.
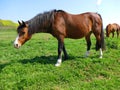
{"type": "Point", "coordinates": [111, 28]}
{"type": "Point", "coordinates": [62, 25]}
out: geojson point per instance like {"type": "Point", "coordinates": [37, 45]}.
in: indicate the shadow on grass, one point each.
{"type": "Point", "coordinates": [3, 66]}
{"type": "Point", "coordinates": [39, 59]}
{"type": "Point", "coordinates": [44, 60]}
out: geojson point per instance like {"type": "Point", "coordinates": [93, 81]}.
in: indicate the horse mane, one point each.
{"type": "Point", "coordinates": [41, 22]}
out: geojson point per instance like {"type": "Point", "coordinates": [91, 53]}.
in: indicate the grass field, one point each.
{"type": "Point", "coordinates": [32, 66]}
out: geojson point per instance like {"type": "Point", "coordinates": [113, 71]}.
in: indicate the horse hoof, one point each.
{"type": "Point", "coordinates": [87, 54]}
{"type": "Point", "coordinates": [100, 57]}
{"type": "Point", "coordinates": [57, 64]}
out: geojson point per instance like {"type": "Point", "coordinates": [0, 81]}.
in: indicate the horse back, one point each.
{"type": "Point", "coordinates": [112, 27]}
{"type": "Point", "coordinates": [76, 26]}
{"type": "Point", "coordinates": [116, 26]}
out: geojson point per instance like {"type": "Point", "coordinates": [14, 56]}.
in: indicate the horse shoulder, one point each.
{"type": "Point", "coordinates": [58, 26]}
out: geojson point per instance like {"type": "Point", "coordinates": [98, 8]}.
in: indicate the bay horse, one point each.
{"type": "Point", "coordinates": [62, 24]}
{"type": "Point", "coordinates": [111, 28]}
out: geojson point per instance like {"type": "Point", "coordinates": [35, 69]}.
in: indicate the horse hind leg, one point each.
{"type": "Point", "coordinates": [117, 33]}
{"type": "Point", "coordinates": [88, 44]}
{"type": "Point", "coordinates": [101, 53]}
{"type": "Point", "coordinates": [99, 45]}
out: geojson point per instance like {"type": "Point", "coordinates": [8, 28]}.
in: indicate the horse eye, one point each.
{"type": "Point", "coordinates": [23, 33]}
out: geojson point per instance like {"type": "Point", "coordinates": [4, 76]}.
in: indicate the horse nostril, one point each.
{"type": "Point", "coordinates": [16, 45]}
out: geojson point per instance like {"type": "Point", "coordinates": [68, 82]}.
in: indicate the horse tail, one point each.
{"type": "Point", "coordinates": [102, 34]}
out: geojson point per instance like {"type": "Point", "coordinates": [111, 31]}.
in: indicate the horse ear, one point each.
{"type": "Point", "coordinates": [23, 23]}
{"type": "Point", "coordinates": [19, 22]}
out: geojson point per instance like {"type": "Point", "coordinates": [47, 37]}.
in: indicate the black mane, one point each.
{"type": "Point", "coordinates": [41, 22]}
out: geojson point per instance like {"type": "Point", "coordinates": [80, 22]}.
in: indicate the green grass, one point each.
{"type": "Point", "coordinates": [32, 66]}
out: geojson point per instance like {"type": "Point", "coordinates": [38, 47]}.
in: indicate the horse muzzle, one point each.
{"type": "Point", "coordinates": [17, 46]}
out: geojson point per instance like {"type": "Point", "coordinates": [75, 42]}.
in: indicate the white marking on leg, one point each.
{"type": "Point", "coordinates": [59, 61]}
{"type": "Point", "coordinates": [87, 53]}
{"type": "Point", "coordinates": [101, 53]}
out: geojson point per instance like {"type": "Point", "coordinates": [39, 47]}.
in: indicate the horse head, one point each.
{"type": "Point", "coordinates": [23, 34]}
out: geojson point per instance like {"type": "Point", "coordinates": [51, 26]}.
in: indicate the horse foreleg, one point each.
{"type": "Point", "coordinates": [65, 52]}
{"type": "Point", "coordinates": [112, 34]}
{"type": "Point", "coordinates": [60, 49]}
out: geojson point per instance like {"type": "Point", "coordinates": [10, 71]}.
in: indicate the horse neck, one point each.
{"type": "Point", "coordinates": [41, 22]}
{"type": "Point", "coordinates": [37, 28]}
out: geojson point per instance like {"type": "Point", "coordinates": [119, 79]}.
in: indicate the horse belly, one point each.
{"type": "Point", "coordinates": [75, 34]}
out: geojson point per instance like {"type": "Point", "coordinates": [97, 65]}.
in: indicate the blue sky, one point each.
{"type": "Point", "coordinates": [26, 9]}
